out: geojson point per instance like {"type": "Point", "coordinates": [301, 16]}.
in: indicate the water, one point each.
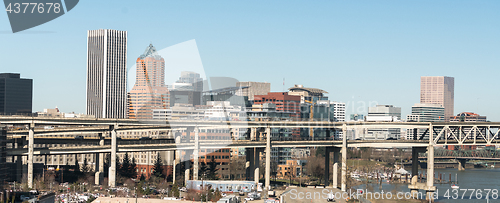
{"type": "Point", "coordinates": [471, 179]}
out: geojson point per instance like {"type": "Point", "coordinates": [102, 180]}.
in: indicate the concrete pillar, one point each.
{"type": "Point", "coordinates": [186, 177]}
{"type": "Point", "coordinates": [335, 175]}
{"type": "Point", "coordinates": [268, 158]}
{"type": "Point", "coordinates": [112, 166]}
{"type": "Point", "coordinates": [174, 167]}
{"type": "Point", "coordinates": [414, 162]}
{"type": "Point", "coordinates": [256, 175]}
{"type": "Point", "coordinates": [326, 180]}
{"type": "Point", "coordinates": [344, 158]}
{"type": "Point", "coordinates": [250, 165]}
{"type": "Point", "coordinates": [31, 144]}
{"type": "Point", "coordinates": [19, 160]}
{"type": "Point", "coordinates": [196, 153]}
{"type": "Point", "coordinates": [430, 165]}
{"type": "Point", "coordinates": [256, 164]}
{"type": "Point", "coordinates": [336, 152]}
{"type": "Point", "coordinates": [99, 169]}
{"type": "Point", "coordinates": [461, 164]}
{"type": "Point", "coordinates": [252, 133]}
{"type": "Point", "coordinates": [187, 165]}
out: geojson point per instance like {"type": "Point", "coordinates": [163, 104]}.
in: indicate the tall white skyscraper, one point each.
{"type": "Point", "coordinates": [106, 73]}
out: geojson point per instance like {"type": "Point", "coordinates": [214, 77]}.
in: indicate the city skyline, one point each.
{"type": "Point", "coordinates": [396, 42]}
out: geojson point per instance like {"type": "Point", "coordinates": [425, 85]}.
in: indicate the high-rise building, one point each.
{"type": "Point", "coordinates": [191, 78]}
{"type": "Point", "coordinates": [438, 90]}
{"type": "Point", "coordinates": [16, 94]}
{"type": "Point", "coordinates": [106, 73]}
{"type": "Point", "coordinates": [424, 113]}
{"type": "Point", "coordinates": [383, 113]}
{"type": "Point", "coordinates": [250, 89]}
{"type": "Point", "coordinates": [149, 91]}
{"type": "Point", "coordinates": [427, 113]}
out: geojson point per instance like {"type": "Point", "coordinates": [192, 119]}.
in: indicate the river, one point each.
{"type": "Point", "coordinates": [477, 181]}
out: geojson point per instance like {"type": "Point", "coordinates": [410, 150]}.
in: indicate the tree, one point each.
{"type": "Point", "coordinates": [175, 190]}
{"type": "Point", "coordinates": [212, 170]}
{"type": "Point", "coordinates": [77, 171]}
{"type": "Point", "coordinates": [118, 165]}
{"type": "Point", "coordinates": [203, 170]}
{"type": "Point", "coordinates": [125, 169]}
{"type": "Point", "coordinates": [107, 163]}
{"type": "Point", "coordinates": [157, 168]}
{"type": "Point", "coordinates": [133, 168]}
{"type": "Point", "coordinates": [85, 167]}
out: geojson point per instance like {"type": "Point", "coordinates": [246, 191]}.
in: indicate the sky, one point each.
{"type": "Point", "coordinates": [361, 52]}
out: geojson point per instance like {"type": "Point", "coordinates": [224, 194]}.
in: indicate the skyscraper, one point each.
{"type": "Point", "coordinates": [106, 73]}
{"type": "Point", "coordinates": [438, 90]}
{"type": "Point", "coordinates": [149, 91]}
{"type": "Point", "coordinates": [16, 94]}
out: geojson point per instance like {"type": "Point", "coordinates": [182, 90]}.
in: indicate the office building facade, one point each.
{"type": "Point", "coordinates": [106, 73]}
{"type": "Point", "coordinates": [253, 88]}
{"type": "Point", "coordinates": [424, 113]}
{"type": "Point", "coordinates": [149, 91]}
{"type": "Point", "coordinates": [387, 113]}
{"type": "Point", "coordinates": [16, 94]}
{"type": "Point", "coordinates": [438, 90]}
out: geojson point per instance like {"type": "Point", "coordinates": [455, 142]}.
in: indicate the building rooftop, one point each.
{"type": "Point", "coordinates": [150, 52]}
{"type": "Point", "coordinates": [10, 75]}
{"type": "Point", "coordinates": [312, 91]}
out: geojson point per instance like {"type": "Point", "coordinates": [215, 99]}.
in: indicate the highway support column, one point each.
{"type": "Point", "coordinates": [31, 144]}
{"type": "Point", "coordinates": [336, 152]}
{"type": "Point", "coordinates": [344, 158]}
{"type": "Point", "coordinates": [187, 166]}
{"type": "Point", "coordinates": [112, 167]}
{"type": "Point", "coordinates": [430, 166]}
{"type": "Point", "coordinates": [326, 177]}
{"type": "Point", "coordinates": [256, 158]}
{"type": "Point", "coordinates": [250, 164]}
{"type": "Point", "coordinates": [268, 158]}
{"type": "Point", "coordinates": [100, 163]}
{"type": "Point", "coordinates": [461, 164]}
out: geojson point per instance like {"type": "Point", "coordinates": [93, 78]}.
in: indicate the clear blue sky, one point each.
{"type": "Point", "coordinates": [358, 51]}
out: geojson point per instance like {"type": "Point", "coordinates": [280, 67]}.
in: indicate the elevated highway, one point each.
{"type": "Point", "coordinates": [46, 131]}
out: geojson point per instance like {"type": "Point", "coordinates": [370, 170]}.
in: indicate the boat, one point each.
{"type": "Point", "coordinates": [454, 186]}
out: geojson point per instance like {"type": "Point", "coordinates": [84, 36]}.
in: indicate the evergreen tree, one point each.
{"type": "Point", "coordinates": [107, 163]}
{"type": "Point", "coordinates": [133, 168]}
{"type": "Point", "coordinates": [77, 171]}
{"type": "Point", "coordinates": [212, 170]}
{"type": "Point", "coordinates": [118, 165]}
{"type": "Point", "coordinates": [157, 168]}
{"type": "Point", "coordinates": [85, 167]}
{"type": "Point", "coordinates": [125, 167]}
{"type": "Point", "coordinates": [203, 170]}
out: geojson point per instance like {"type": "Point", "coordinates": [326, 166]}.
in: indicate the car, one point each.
{"type": "Point", "coordinates": [183, 189]}
{"type": "Point", "coordinates": [331, 197]}
{"type": "Point", "coordinates": [249, 199]}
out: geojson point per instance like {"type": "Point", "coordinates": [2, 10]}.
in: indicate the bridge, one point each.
{"type": "Point", "coordinates": [435, 134]}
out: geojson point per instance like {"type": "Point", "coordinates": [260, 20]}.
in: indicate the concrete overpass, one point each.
{"type": "Point", "coordinates": [32, 128]}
